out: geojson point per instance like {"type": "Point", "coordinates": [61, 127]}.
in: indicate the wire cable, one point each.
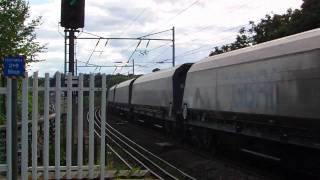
{"type": "Point", "coordinates": [151, 34]}
{"type": "Point", "coordinates": [178, 14]}
{"type": "Point", "coordinates": [216, 43]}
{"type": "Point", "coordinates": [133, 21]}
{"type": "Point", "coordinates": [183, 10]}
{"type": "Point", "coordinates": [132, 54]}
{"type": "Point", "coordinates": [202, 29]}
{"type": "Point", "coordinates": [125, 29]}
{"type": "Point", "coordinates": [93, 51]}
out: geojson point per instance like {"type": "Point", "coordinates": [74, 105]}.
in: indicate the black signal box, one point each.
{"type": "Point", "coordinates": [72, 13]}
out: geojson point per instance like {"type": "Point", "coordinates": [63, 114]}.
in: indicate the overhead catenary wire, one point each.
{"type": "Point", "coordinates": [184, 10]}
{"type": "Point", "coordinates": [135, 50]}
{"type": "Point", "coordinates": [192, 40]}
{"type": "Point", "coordinates": [132, 54]}
{"type": "Point", "coordinates": [93, 51]}
{"type": "Point", "coordinates": [199, 49]}
{"type": "Point", "coordinates": [152, 34]}
{"type": "Point", "coordinates": [160, 54]}
{"type": "Point", "coordinates": [158, 47]}
{"type": "Point", "coordinates": [178, 14]}
{"type": "Point", "coordinates": [99, 66]}
{"type": "Point", "coordinates": [187, 53]}
{"type": "Point", "coordinates": [133, 21]}
{"type": "Point", "coordinates": [170, 19]}
{"type": "Point", "coordinates": [125, 29]}
{"type": "Point", "coordinates": [216, 43]}
{"type": "Point", "coordinates": [196, 50]}
{"type": "Point", "coordinates": [105, 45]}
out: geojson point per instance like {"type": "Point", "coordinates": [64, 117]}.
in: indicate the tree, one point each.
{"type": "Point", "coordinates": [17, 31]}
{"type": "Point", "coordinates": [17, 36]}
{"type": "Point", "coordinates": [276, 26]}
{"type": "Point", "coordinates": [310, 16]}
{"type": "Point", "coordinates": [242, 40]}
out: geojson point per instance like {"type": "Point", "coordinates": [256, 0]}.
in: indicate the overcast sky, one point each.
{"type": "Point", "coordinates": [200, 26]}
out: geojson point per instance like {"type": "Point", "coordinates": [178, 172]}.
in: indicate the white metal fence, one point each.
{"type": "Point", "coordinates": [48, 170]}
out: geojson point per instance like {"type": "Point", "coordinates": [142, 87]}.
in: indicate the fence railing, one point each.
{"type": "Point", "coordinates": [45, 169]}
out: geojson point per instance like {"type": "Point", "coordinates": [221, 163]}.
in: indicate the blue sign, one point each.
{"type": "Point", "coordinates": [14, 66]}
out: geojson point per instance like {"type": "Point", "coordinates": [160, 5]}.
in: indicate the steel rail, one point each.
{"type": "Point", "coordinates": [127, 152]}
{"type": "Point", "coordinates": [114, 151]}
{"type": "Point", "coordinates": [143, 156]}
{"type": "Point", "coordinates": [145, 150]}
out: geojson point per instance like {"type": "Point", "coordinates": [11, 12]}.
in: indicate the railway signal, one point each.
{"type": "Point", "coordinates": [72, 13]}
{"type": "Point", "coordinates": [72, 18]}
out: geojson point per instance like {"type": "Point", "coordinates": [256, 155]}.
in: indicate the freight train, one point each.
{"type": "Point", "coordinates": [263, 100]}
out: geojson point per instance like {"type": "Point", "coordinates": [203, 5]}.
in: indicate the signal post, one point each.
{"type": "Point", "coordinates": [72, 18]}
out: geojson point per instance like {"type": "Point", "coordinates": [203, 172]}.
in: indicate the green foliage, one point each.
{"type": "Point", "coordinates": [2, 118]}
{"type": "Point", "coordinates": [242, 40]}
{"type": "Point", "coordinates": [17, 36]}
{"type": "Point", "coordinates": [310, 17]}
{"type": "Point", "coordinates": [134, 170]}
{"type": "Point", "coordinates": [276, 26]}
{"type": "Point", "coordinates": [118, 78]}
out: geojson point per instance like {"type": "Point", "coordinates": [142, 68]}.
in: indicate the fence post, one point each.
{"type": "Point", "coordinates": [57, 124]}
{"type": "Point", "coordinates": [46, 127]}
{"type": "Point", "coordinates": [80, 126]}
{"type": "Point", "coordinates": [103, 126]}
{"type": "Point", "coordinates": [24, 129]}
{"type": "Point", "coordinates": [34, 125]}
{"type": "Point", "coordinates": [69, 126]}
{"type": "Point", "coordinates": [14, 129]}
{"type": "Point", "coordinates": [8, 129]}
{"type": "Point", "coordinates": [91, 127]}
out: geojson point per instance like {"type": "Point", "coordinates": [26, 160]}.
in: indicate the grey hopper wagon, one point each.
{"type": "Point", "coordinates": [159, 93]}
{"type": "Point", "coordinates": [122, 97]}
{"type": "Point", "coordinates": [275, 83]}
{"type": "Point", "coordinates": [123, 92]}
{"type": "Point", "coordinates": [111, 93]}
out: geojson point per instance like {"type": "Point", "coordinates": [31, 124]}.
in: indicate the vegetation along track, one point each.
{"type": "Point", "coordinates": [157, 166]}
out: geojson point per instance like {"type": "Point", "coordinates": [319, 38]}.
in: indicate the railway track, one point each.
{"type": "Point", "coordinates": [115, 152]}
{"type": "Point", "coordinates": [136, 155]}
{"type": "Point", "coordinates": [206, 166]}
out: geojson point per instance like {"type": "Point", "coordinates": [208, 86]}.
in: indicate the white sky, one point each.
{"type": "Point", "coordinates": [204, 25]}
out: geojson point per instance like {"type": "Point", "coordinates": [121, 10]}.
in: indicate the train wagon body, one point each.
{"type": "Point", "coordinates": [122, 97]}
{"type": "Point", "coordinates": [270, 90]}
{"type": "Point", "coordinates": [111, 93]}
{"type": "Point", "coordinates": [123, 92]}
{"type": "Point", "coordinates": [261, 100]}
{"type": "Point", "coordinates": [158, 94]}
